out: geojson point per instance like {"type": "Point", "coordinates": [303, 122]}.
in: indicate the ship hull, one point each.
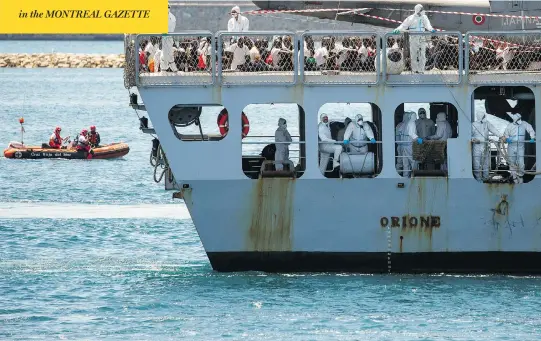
{"type": "Point", "coordinates": [518, 263]}
{"type": "Point", "coordinates": [367, 225]}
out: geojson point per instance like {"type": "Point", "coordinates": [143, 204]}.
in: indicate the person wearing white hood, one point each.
{"type": "Point", "coordinates": [444, 131]}
{"type": "Point", "coordinates": [481, 148]}
{"type": "Point", "coordinates": [238, 22]}
{"type": "Point", "coordinates": [282, 149]}
{"type": "Point", "coordinates": [167, 58]}
{"type": "Point", "coordinates": [515, 134]}
{"type": "Point", "coordinates": [358, 131]}
{"type": "Point", "coordinates": [327, 148]}
{"type": "Point", "coordinates": [409, 133]}
{"type": "Point", "coordinates": [417, 22]}
{"type": "Point", "coordinates": [399, 138]}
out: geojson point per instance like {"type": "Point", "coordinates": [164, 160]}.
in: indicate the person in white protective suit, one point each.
{"type": "Point", "coordinates": [409, 134]}
{"type": "Point", "coordinates": [515, 135]}
{"type": "Point", "coordinates": [282, 149]}
{"type": "Point", "coordinates": [425, 126]}
{"type": "Point", "coordinates": [358, 132]}
{"type": "Point", "coordinates": [326, 149]}
{"type": "Point", "coordinates": [167, 55]}
{"type": "Point", "coordinates": [238, 22]}
{"type": "Point", "coordinates": [444, 131]}
{"type": "Point", "coordinates": [481, 147]}
{"type": "Point", "coordinates": [399, 137]}
{"type": "Point", "coordinates": [417, 22]}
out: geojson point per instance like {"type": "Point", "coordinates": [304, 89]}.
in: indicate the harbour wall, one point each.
{"type": "Point", "coordinates": [61, 60]}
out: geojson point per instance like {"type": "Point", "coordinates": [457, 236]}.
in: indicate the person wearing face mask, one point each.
{"type": "Point", "coordinates": [515, 135]}
{"type": "Point", "coordinates": [167, 55]}
{"type": "Point", "coordinates": [444, 131]}
{"type": "Point", "coordinates": [425, 126]}
{"type": "Point", "coordinates": [399, 138]}
{"type": "Point", "coordinates": [282, 149]}
{"type": "Point", "coordinates": [238, 22]}
{"type": "Point", "coordinates": [409, 134]}
{"type": "Point", "coordinates": [481, 148]}
{"type": "Point", "coordinates": [417, 22]}
{"type": "Point", "coordinates": [327, 148]}
{"type": "Point", "coordinates": [358, 131]}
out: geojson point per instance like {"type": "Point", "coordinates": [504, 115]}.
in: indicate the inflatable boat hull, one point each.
{"type": "Point", "coordinates": [110, 151]}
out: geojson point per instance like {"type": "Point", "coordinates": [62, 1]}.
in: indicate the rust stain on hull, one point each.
{"type": "Point", "coordinates": [271, 222]}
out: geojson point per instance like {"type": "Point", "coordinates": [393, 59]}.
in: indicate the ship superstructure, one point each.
{"type": "Point", "coordinates": [216, 113]}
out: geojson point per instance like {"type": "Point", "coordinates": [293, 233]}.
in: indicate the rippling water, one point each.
{"type": "Point", "coordinates": [97, 250]}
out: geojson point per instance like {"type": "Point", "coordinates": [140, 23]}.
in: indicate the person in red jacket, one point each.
{"type": "Point", "coordinates": [56, 141]}
{"type": "Point", "coordinates": [93, 137]}
{"type": "Point", "coordinates": [83, 144]}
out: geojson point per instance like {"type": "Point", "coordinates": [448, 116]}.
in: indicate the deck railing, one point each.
{"type": "Point", "coordinates": [200, 58]}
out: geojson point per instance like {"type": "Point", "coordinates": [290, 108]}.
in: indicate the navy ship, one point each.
{"type": "Point", "coordinates": [379, 188]}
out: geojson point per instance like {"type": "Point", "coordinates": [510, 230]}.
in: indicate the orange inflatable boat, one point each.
{"type": "Point", "coordinates": [109, 151]}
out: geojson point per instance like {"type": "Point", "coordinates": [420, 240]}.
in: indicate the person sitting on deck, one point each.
{"type": "Point", "coordinates": [56, 141]}
{"type": "Point", "coordinates": [93, 137]}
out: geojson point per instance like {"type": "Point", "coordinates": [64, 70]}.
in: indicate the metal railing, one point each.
{"type": "Point", "coordinates": [422, 58]}
{"type": "Point", "coordinates": [340, 57]}
{"type": "Point", "coordinates": [510, 166]}
{"type": "Point", "coordinates": [503, 57]}
{"type": "Point", "coordinates": [197, 58]}
{"type": "Point", "coordinates": [257, 58]}
{"type": "Point", "coordinates": [180, 59]}
{"type": "Point", "coordinates": [292, 162]}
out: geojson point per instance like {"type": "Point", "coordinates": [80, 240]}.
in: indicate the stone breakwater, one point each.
{"type": "Point", "coordinates": [61, 60]}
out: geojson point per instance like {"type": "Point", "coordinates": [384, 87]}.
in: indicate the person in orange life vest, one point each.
{"type": "Point", "coordinates": [93, 137]}
{"type": "Point", "coordinates": [56, 141]}
{"type": "Point", "coordinates": [82, 142]}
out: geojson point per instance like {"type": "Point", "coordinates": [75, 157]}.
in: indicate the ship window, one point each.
{"type": "Point", "coordinates": [196, 123]}
{"type": "Point", "coordinates": [495, 159]}
{"type": "Point", "coordinates": [421, 149]}
{"type": "Point", "coordinates": [264, 153]}
{"type": "Point", "coordinates": [358, 157]}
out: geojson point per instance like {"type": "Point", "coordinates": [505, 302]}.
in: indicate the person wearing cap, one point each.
{"type": "Point", "coordinates": [55, 141]}
{"type": "Point", "coordinates": [93, 137]}
{"type": "Point", "coordinates": [425, 126]}
{"type": "Point", "coordinates": [238, 22]}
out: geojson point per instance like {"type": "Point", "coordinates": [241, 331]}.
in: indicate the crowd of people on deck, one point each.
{"type": "Point", "coordinates": [350, 53]}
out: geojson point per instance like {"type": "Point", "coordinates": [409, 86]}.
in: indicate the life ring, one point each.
{"type": "Point", "coordinates": [223, 124]}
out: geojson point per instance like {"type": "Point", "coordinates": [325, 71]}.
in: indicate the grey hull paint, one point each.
{"type": "Point", "coordinates": [336, 225]}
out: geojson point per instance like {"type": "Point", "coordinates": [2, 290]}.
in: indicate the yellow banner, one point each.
{"type": "Point", "coordinates": [83, 16]}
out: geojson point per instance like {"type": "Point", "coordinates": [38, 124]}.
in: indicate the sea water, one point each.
{"type": "Point", "coordinates": [99, 251]}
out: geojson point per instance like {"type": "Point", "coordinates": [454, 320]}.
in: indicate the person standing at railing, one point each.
{"type": "Point", "coordinates": [238, 22]}
{"type": "Point", "coordinates": [515, 134]}
{"type": "Point", "coordinates": [282, 149]}
{"type": "Point", "coordinates": [425, 126]}
{"type": "Point", "coordinates": [409, 134]}
{"type": "Point", "coordinates": [481, 147]}
{"type": "Point", "coordinates": [417, 22]}
{"type": "Point", "coordinates": [167, 59]}
{"type": "Point", "coordinates": [326, 149]}
{"type": "Point", "coordinates": [358, 132]}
